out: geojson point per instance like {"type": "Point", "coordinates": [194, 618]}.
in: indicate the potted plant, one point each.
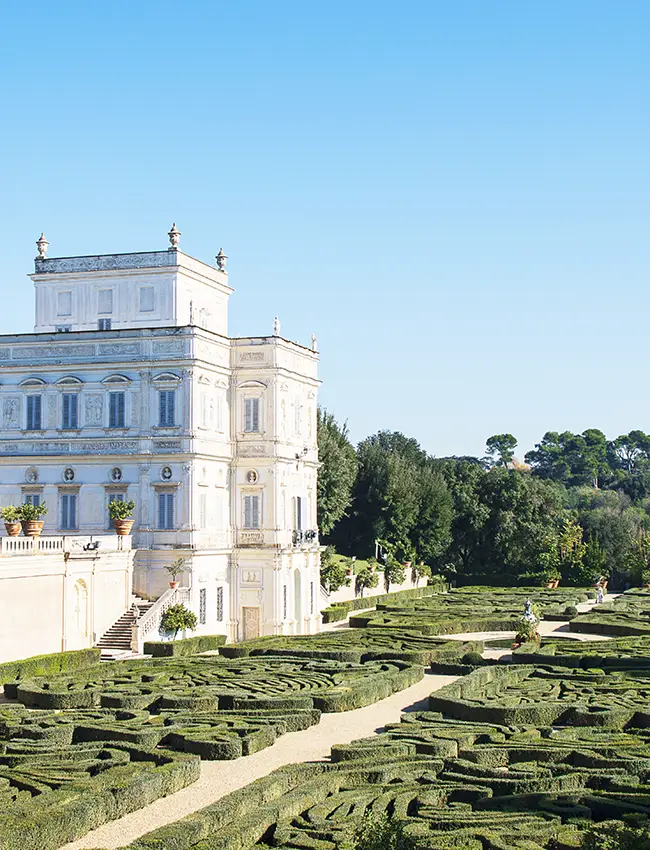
{"type": "Point", "coordinates": [11, 516]}
{"type": "Point", "coordinates": [175, 570]}
{"type": "Point", "coordinates": [121, 513]}
{"type": "Point", "coordinates": [177, 618]}
{"type": "Point", "coordinates": [30, 518]}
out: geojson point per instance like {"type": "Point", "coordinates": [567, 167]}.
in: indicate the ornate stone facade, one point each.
{"type": "Point", "coordinates": [169, 415]}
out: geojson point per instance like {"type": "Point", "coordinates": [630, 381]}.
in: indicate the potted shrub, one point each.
{"type": "Point", "coordinates": [11, 516]}
{"type": "Point", "coordinates": [30, 518]}
{"type": "Point", "coordinates": [177, 618]}
{"type": "Point", "coordinates": [121, 513]}
{"type": "Point", "coordinates": [175, 570]}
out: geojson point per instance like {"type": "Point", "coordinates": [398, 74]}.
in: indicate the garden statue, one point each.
{"type": "Point", "coordinates": [529, 614]}
{"type": "Point", "coordinates": [599, 595]}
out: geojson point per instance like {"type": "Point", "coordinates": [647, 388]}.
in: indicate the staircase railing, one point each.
{"type": "Point", "coordinates": [148, 625]}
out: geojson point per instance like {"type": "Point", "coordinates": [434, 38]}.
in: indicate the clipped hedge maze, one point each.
{"type": "Point", "coordinates": [470, 609]}
{"type": "Point", "coordinates": [212, 684]}
{"type": "Point", "coordinates": [452, 784]}
{"type": "Point", "coordinates": [538, 696]}
{"type": "Point", "coordinates": [631, 653]}
{"type": "Point", "coordinates": [358, 646]}
{"type": "Point", "coordinates": [628, 614]}
{"type": "Point", "coordinates": [92, 746]}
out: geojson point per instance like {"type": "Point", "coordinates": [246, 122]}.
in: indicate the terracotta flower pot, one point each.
{"type": "Point", "coordinates": [173, 584]}
{"type": "Point", "coordinates": [32, 527]}
{"type": "Point", "coordinates": [123, 526]}
{"type": "Point", "coordinates": [13, 528]}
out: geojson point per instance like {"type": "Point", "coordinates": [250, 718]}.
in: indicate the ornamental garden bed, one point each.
{"type": "Point", "coordinates": [451, 784]}
{"type": "Point", "coordinates": [358, 645]}
{"type": "Point", "coordinates": [628, 614]}
{"type": "Point", "coordinates": [471, 610]}
{"type": "Point", "coordinates": [629, 653]}
{"type": "Point", "coordinates": [213, 683]}
{"type": "Point", "coordinates": [546, 696]}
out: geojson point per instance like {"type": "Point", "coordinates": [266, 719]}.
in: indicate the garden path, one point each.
{"type": "Point", "coordinates": [219, 778]}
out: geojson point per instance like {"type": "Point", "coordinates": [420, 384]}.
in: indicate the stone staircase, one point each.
{"type": "Point", "coordinates": [116, 642]}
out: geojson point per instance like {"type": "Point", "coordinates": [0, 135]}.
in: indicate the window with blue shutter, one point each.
{"type": "Point", "coordinates": [165, 511]}
{"type": "Point", "coordinates": [117, 410]}
{"type": "Point", "coordinates": [70, 411]}
{"type": "Point", "coordinates": [251, 511]}
{"type": "Point", "coordinates": [251, 415]}
{"type": "Point", "coordinates": [69, 511]}
{"type": "Point", "coordinates": [33, 413]}
{"type": "Point", "coordinates": [167, 408]}
{"type": "Point", "coordinates": [32, 499]}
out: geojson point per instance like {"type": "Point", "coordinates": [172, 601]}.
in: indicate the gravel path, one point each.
{"type": "Point", "coordinates": [219, 778]}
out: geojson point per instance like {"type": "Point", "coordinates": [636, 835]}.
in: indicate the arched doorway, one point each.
{"type": "Point", "coordinates": [297, 600]}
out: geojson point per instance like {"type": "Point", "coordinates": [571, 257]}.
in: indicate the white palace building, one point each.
{"type": "Point", "coordinates": [130, 388]}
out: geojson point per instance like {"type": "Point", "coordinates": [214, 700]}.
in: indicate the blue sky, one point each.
{"type": "Point", "coordinates": [454, 196]}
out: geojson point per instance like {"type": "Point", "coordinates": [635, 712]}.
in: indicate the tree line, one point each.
{"type": "Point", "coordinates": [577, 509]}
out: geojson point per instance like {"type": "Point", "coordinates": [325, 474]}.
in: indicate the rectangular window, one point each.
{"type": "Point", "coordinates": [251, 511]}
{"type": "Point", "coordinates": [203, 593]}
{"type": "Point", "coordinates": [104, 324]}
{"type": "Point", "coordinates": [311, 597]}
{"type": "Point", "coordinates": [220, 604]}
{"type": "Point", "coordinates": [166, 408]}
{"type": "Point", "coordinates": [105, 301]}
{"type": "Point", "coordinates": [69, 511]}
{"type": "Point", "coordinates": [34, 412]}
{"type": "Point", "coordinates": [146, 299]}
{"type": "Point", "coordinates": [251, 415]}
{"type": "Point", "coordinates": [70, 418]}
{"type": "Point", "coordinates": [284, 602]}
{"type": "Point", "coordinates": [63, 329]}
{"type": "Point", "coordinates": [117, 410]}
{"type": "Point", "coordinates": [298, 513]}
{"type": "Point", "coordinates": [165, 511]}
{"type": "Point", "coordinates": [64, 304]}
{"type": "Point", "coordinates": [32, 499]}
{"type": "Point", "coordinates": [115, 497]}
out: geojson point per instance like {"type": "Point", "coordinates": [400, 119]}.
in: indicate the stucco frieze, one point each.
{"type": "Point", "coordinates": [105, 262]}
{"type": "Point", "coordinates": [37, 352]}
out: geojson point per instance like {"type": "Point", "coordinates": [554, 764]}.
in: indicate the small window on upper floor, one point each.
{"type": "Point", "coordinates": [166, 408]}
{"type": "Point", "coordinates": [104, 324]}
{"type": "Point", "coordinates": [146, 299]}
{"type": "Point", "coordinates": [70, 411]}
{"type": "Point", "coordinates": [117, 410]}
{"type": "Point", "coordinates": [63, 329]}
{"type": "Point", "coordinates": [251, 415]}
{"type": "Point", "coordinates": [105, 301]}
{"type": "Point", "coordinates": [64, 304]}
{"type": "Point", "coordinates": [34, 404]}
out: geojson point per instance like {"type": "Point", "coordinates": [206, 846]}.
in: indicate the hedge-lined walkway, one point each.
{"type": "Point", "coordinates": [219, 778]}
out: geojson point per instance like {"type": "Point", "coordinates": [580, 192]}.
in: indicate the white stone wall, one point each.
{"type": "Point", "coordinates": [51, 603]}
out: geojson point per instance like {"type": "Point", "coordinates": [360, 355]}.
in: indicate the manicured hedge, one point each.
{"type": "Point", "coordinates": [357, 645]}
{"type": "Point", "coordinates": [213, 683]}
{"type": "Point", "coordinates": [539, 696]}
{"type": "Point", "coordinates": [184, 647]}
{"type": "Point", "coordinates": [48, 665]}
{"type": "Point", "coordinates": [451, 784]}
{"type": "Point", "coordinates": [340, 610]}
{"type": "Point", "coordinates": [628, 653]}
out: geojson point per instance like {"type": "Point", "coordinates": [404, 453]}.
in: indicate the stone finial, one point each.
{"type": "Point", "coordinates": [221, 260]}
{"type": "Point", "coordinates": [174, 236]}
{"type": "Point", "coordinates": [314, 343]}
{"type": "Point", "coordinates": [42, 247]}
{"type": "Point", "coordinates": [276, 326]}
